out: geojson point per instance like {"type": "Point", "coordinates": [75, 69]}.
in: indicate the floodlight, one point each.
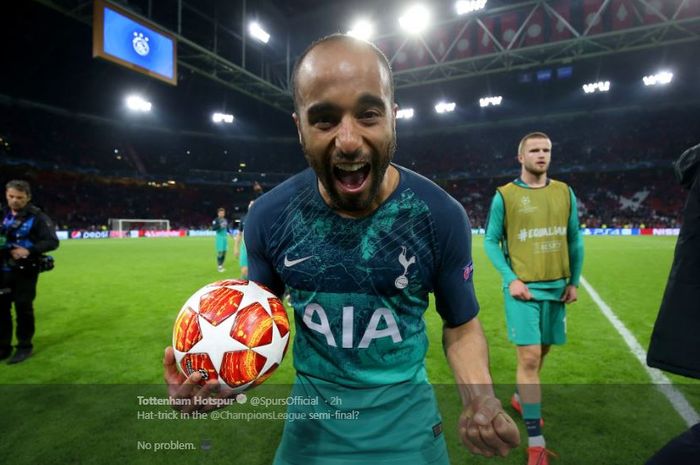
{"type": "Point", "coordinates": [444, 107]}
{"type": "Point", "coordinates": [362, 29]}
{"type": "Point", "coordinates": [662, 78]}
{"type": "Point", "coordinates": [490, 101]}
{"type": "Point", "coordinates": [600, 86]}
{"type": "Point", "coordinates": [138, 103]}
{"type": "Point", "coordinates": [415, 19]}
{"type": "Point", "coordinates": [467, 6]}
{"type": "Point", "coordinates": [257, 32]}
{"type": "Point", "coordinates": [665, 77]}
{"type": "Point", "coordinates": [405, 113]}
{"type": "Point", "coordinates": [222, 118]}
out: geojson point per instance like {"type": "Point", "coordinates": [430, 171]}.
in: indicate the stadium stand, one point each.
{"type": "Point", "coordinates": [89, 169]}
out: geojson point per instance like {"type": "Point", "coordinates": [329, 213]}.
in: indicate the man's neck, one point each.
{"type": "Point", "coordinates": [534, 180]}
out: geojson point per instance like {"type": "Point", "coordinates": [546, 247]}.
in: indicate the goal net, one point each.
{"type": "Point", "coordinates": [122, 225]}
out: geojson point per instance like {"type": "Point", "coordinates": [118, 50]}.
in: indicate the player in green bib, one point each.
{"type": "Point", "coordinates": [360, 243]}
{"type": "Point", "coordinates": [533, 240]}
{"type": "Point", "coordinates": [220, 225]}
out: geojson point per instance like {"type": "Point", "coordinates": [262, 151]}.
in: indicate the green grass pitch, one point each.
{"type": "Point", "coordinates": [105, 314]}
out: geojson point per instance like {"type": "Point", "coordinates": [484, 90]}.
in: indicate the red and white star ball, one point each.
{"type": "Point", "coordinates": [235, 331]}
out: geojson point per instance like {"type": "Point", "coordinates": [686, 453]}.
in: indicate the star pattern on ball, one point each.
{"type": "Point", "coordinates": [252, 294]}
{"type": "Point", "coordinates": [211, 342]}
{"type": "Point", "coordinates": [273, 355]}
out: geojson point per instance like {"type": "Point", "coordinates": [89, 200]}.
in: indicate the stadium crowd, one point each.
{"type": "Point", "coordinates": [87, 169]}
{"type": "Point", "coordinates": [603, 141]}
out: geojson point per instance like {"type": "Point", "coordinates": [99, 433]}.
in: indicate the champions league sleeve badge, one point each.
{"type": "Point", "coordinates": [468, 271]}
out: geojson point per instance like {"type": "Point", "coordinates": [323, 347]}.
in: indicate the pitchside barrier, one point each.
{"type": "Point", "coordinates": [630, 231]}
{"type": "Point", "coordinates": [609, 232]}
{"type": "Point", "coordinates": [80, 234]}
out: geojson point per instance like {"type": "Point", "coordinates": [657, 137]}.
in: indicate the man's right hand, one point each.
{"type": "Point", "coordinates": [181, 387]}
{"type": "Point", "coordinates": [519, 290]}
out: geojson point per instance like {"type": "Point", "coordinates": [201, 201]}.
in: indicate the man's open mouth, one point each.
{"type": "Point", "coordinates": [351, 176]}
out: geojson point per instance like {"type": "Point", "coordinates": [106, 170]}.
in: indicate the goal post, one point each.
{"type": "Point", "coordinates": [120, 225]}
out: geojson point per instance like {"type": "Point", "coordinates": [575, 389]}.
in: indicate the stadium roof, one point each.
{"type": "Point", "coordinates": [508, 49]}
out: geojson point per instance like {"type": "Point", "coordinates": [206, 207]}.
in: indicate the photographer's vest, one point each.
{"type": "Point", "coordinates": [15, 232]}
{"type": "Point", "coordinates": [535, 223]}
{"type": "Point", "coordinates": [17, 229]}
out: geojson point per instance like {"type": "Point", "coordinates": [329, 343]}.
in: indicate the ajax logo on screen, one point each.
{"type": "Point", "coordinates": [140, 44]}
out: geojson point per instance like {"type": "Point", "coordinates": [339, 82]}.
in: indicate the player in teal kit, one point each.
{"type": "Point", "coordinates": [220, 225]}
{"type": "Point", "coordinates": [533, 240]}
{"type": "Point", "coordinates": [360, 243]}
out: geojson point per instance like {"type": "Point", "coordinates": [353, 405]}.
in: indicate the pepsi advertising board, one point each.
{"type": "Point", "coordinates": [122, 38]}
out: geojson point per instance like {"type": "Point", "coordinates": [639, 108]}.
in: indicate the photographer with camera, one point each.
{"type": "Point", "coordinates": [26, 233]}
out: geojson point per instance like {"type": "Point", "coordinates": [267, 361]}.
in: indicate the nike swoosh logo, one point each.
{"type": "Point", "coordinates": [289, 263]}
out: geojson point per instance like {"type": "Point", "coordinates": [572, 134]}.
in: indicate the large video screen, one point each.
{"type": "Point", "coordinates": [120, 37]}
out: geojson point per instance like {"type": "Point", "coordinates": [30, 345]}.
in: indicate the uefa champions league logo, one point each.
{"type": "Point", "coordinates": [526, 205]}
{"type": "Point", "coordinates": [140, 44]}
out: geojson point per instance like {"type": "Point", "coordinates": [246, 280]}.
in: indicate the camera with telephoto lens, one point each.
{"type": "Point", "coordinates": [40, 264]}
{"type": "Point", "coordinates": [46, 263]}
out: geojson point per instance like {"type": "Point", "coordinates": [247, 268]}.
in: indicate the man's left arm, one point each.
{"type": "Point", "coordinates": [44, 239]}
{"type": "Point", "coordinates": [484, 428]}
{"type": "Point", "coordinates": [575, 243]}
{"type": "Point", "coordinates": [237, 239]}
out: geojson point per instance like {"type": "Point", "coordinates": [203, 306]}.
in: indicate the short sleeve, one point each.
{"type": "Point", "coordinates": [454, 285]}
{"type": "Point", "coordinates": [260, 266]}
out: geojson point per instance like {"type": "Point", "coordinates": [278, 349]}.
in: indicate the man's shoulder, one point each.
{"type": "Point", "coordinates": [426, 190]}
{"type": "Point", "coordinates": [512, 184]}
{"type": "Point", "coordinates": [33, 210]}
{"type": "Point", "coordinates": [291, 186]}
{"type": "Point", "coordinates": [444, 211]}
{"type": "Point", "coordinates": [561, 188]}
{"type": "Point", "coordinates": [557, 183]}
{"type": "Point", "coordinates": [272, 203]}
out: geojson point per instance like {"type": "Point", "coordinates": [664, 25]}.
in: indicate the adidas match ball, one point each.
{"type": "Point", "coordinates": [234, 331]}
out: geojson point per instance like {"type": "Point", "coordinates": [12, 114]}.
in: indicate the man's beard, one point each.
{"type": "Point", "coordinates": [379, 166]}
{"type": "Point", "coordinates": [536, 170]}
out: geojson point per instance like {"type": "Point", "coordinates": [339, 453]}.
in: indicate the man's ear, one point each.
{"type": "Point", "coordinates": [297, 122]}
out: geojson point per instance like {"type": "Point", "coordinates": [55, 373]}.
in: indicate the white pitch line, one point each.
{"type": "Point", "coordinates": [663, 384]}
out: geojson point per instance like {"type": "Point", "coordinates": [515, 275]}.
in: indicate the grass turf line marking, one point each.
{"type": "Point", "coordinates": [663, 384]}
